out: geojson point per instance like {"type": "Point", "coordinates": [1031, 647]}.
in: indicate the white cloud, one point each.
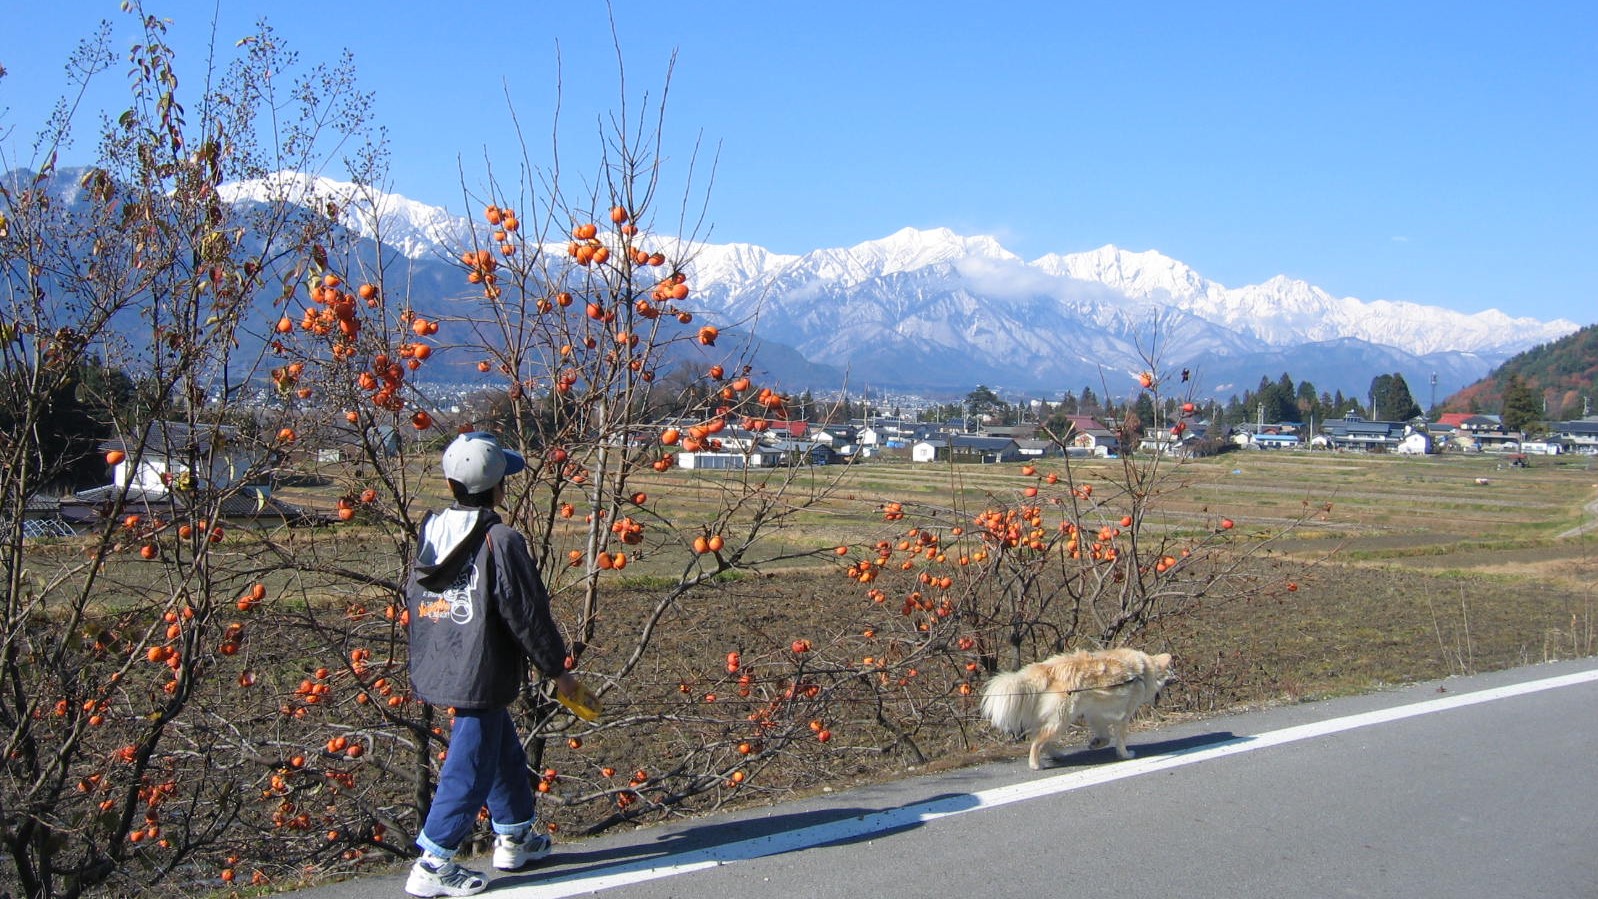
{"type": "Point", "coordinates": [1005, 278]}
{"type": "Point", "coordinates": [1015, 280]}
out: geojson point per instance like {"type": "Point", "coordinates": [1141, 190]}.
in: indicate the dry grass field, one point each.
{"type": "Point", "coordinates": [1422, 567]}
{"type": "Point", "coordinates": [1410, 567]}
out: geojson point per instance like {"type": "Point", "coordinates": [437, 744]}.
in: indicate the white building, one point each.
{"type": "Point", "coordinates": [213, 457]}
{"type": "Point", "coordinates": [1415, 443]}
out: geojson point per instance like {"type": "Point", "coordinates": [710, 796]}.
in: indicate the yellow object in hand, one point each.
{"type": "Point", "coordinates": [581, 701]}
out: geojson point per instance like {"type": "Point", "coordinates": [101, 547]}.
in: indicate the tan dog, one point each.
{"type": "Point", "coordinates": [1104, 689]}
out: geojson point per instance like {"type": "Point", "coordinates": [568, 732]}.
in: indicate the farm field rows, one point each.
{"type": "Point", "coordinates": [1418, 511]}
{"type": "Point", "coordinates": [1427, 515]}
{"type": "Point", "coordinates": [1416, 570]}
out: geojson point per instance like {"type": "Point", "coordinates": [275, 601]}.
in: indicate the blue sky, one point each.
{"type": "Point", "coordinates": [1441, 153]}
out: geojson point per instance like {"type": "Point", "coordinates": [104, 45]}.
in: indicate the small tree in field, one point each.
{"type": "Point", "coordinates": [1065, 560]}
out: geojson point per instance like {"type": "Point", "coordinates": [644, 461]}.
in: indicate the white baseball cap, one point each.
{"type": "Point", "coordinates": [476, 461]}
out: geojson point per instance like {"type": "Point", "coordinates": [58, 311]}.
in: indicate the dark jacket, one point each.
{"type": "Point", "coordinates": [478, 612]}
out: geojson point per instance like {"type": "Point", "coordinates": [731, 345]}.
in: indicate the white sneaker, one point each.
{"type": "Point", "coordinates": [510, 854]}
{"type": "Point", "coordinates": [448, 879]}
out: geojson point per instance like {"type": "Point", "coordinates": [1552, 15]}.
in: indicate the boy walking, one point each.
{"type": "Point", "coordinates": [478, 615]}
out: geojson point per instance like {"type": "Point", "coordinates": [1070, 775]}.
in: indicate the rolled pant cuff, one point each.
{"type": "Point", "coordinates": [432, 847]}
{"type": "Point", "coordinates": [514, 829]}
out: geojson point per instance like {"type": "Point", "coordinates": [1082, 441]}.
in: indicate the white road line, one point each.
{"type": "Point", "coordinates": [611, 876]}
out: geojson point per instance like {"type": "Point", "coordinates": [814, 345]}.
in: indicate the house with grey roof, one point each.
{"type": "Point", "coordinates": [834, 435]}
{"type": "Point", "coordinates": [1174, 441]}
{"type": "Point", "coordinates": [1355, 433]}
{"type": "Point", "coordinates": [966, 448]}
{"type": "Point", "coordinates": [1577, 436]}
{"type": "Point", "coordinates": [799, 452]}
{"type": "Point", "coordinates": [1034, 448]}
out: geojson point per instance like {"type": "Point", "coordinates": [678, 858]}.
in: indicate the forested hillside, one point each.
{"type": "Point", "coordinates": [1561, 374]}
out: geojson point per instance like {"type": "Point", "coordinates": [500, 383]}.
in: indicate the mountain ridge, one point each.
{"type": "Point", "coordinates": [935, 309]}
{"type": "Point", "coordinates": [1278, 310]}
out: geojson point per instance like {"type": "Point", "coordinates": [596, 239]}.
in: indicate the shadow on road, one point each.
{"type": "Point", "coordinates": [730, 841]}
{"type": "Point", "coordinates": [721, 842]}
{"type": "Point", "coordinates": [1086, 758]}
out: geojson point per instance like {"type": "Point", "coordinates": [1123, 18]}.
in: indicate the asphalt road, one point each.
{"type": "Point", "coordinates": [1473, 786]}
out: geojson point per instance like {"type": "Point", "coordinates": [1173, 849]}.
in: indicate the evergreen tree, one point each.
{"type": "Point", "coordinates": [1280, 405]}
{"type": "Point", "coordinates": [1144, 412]}
{"type": "Point", "coordinates": [73, 422]}
{"type": "Point", "coordinates": [1287, 391]}
{"type": "Point", "coordinates": [983, 401]}
{"type": "Point", "coordinates": [1521, 408]}
{"type": "Point", "coordinates": [1274, 401]}
{"type": "Point", "coordinates": [1308, 403]}
{"type": "Point", "coordinates": [1089, 404]}
{"type": "Point", "coordinates": [1391, 399]}
{"type": "Point", "coordinates": [1401, 399]}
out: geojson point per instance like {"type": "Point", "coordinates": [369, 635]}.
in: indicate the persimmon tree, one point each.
{"type": "Point", "coordinates": [126, 761]}
{"type": "Point", "coordinates": [1075, 555]}
{"type": "Point", "coordinates": [207, 689]}
{"type": "Point", "coordinates": [583, 308]}
{"type": "Point", "coordinates": [195, 694]}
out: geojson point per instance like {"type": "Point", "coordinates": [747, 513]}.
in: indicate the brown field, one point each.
{"type": "Point", "coordinates": [1409, 568]}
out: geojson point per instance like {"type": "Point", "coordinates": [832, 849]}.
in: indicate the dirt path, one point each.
{"type": "Point", "coordinates": [1591, 524]}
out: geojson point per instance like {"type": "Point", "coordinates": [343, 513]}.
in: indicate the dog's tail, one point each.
{"type": "Point", "coordinates": [1010, 701]}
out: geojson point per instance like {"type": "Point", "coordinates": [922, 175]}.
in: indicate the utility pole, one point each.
{"type": "Point", "coordinates": [1433, 407]}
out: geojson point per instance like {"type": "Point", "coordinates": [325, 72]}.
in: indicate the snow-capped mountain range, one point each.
{"type": "Point", "coordinates": [414, 228]}
{"type": "Point", "coordinates": [932, 308]}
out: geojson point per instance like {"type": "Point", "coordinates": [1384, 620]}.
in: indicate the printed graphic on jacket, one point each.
{"type": "Point", "coordinates": [454, 603]}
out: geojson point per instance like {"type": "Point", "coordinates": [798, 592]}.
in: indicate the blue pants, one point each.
{"type": "Point", "coordinates": [485, 764]}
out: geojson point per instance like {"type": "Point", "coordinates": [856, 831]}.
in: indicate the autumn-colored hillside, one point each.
{"type": "Point", "coordinates": [1562, 373]}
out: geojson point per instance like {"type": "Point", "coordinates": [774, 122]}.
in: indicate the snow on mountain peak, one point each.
{"type": "Point", "coordinates": [414, 228]}
{"type": "Point", "coordinates": [1142, 275]}
{"type": "Point", "coordinates": [911, 248]}
{"type": "Point", "coordinates": [1281, 311]}
{"type": "Point", "coordinates": [905, 250]}
{"type": "Point", "coordinates": [734, 263]}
